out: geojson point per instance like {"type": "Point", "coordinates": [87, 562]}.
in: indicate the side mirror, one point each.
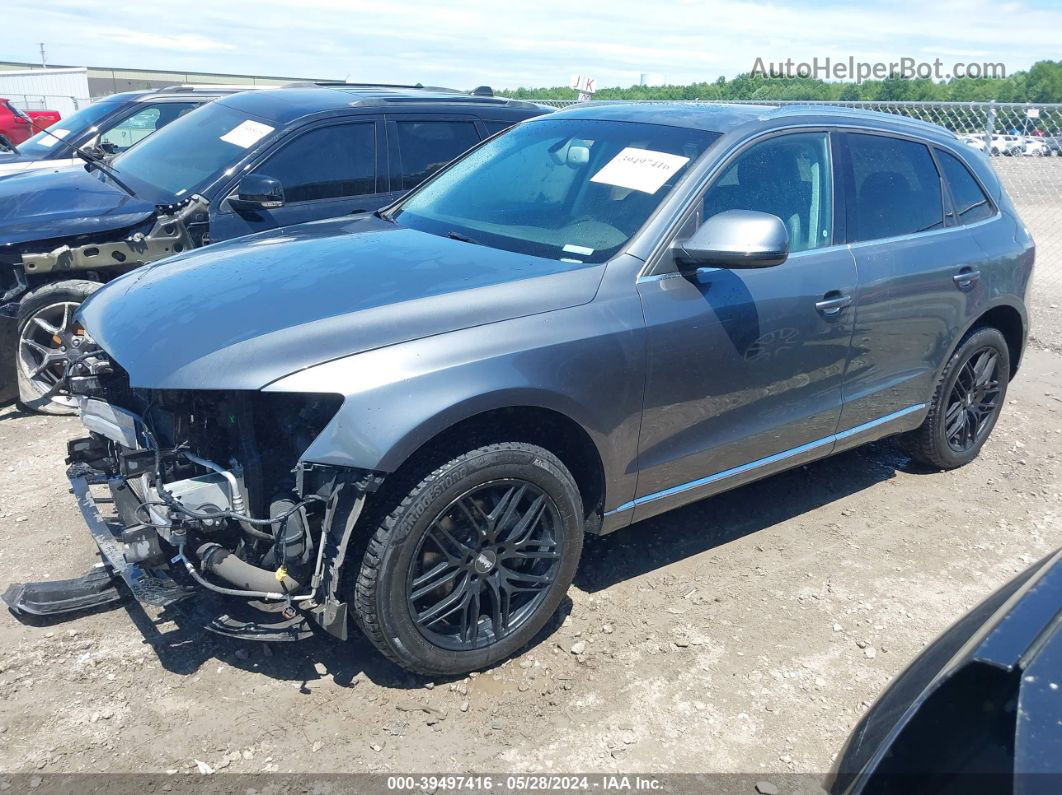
{"type": "Point", "coordinates": [258, 192]}
{"type": "Point", "coordinates": [735, 239]}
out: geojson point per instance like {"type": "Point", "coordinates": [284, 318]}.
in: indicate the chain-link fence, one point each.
{"type": "Point", "coordinates": [46, 101]}
{"type": "Point", "coordinates": [1025, 142]}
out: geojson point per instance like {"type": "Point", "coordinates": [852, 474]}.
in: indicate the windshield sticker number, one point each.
{"type": "Point", "coordinates": [48, 141]}
{"type": "Point", "coordinates": [247, 133]}
{"type": "Point", "coordinates": [640, 169]}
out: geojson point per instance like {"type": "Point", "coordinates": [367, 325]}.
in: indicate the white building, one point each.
{"type": "Point", "coordinates": [64, 90]}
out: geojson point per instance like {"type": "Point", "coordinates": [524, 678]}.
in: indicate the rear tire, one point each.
{"type": "Point", "coordinates": [473, 561]}
{"type": "Point", "coordinates": [52, 305]}
{"type": "Point", "coordinates": [966, 404]}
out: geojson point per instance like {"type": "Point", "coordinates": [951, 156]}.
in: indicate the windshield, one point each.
{"type": "Point", "coordinates": [567, 189]}
{"type": "Point", "coordinates": [43, 144]}
{"type": "Point", "coordinates": [191, 152]}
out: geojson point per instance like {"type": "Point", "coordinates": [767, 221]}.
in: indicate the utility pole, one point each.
{"type": "Point", "coordinates": [44, 61]}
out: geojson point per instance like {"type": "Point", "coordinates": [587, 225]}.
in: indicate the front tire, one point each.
{"type": "Point", "coordinates": [473, 562]}
{"type": "Point", "coordinates": [966, 404]}
{"type": "Point", "coordinates": [47, 337]}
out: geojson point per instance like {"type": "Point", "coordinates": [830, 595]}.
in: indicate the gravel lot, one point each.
{"type": "Point", "coordinates": [746, 633]}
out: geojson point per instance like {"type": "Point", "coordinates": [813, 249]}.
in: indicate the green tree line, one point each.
{"type": "Point", "coordinates": [1042, 83]}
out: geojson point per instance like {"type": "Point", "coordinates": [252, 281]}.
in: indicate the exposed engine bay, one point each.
{"type": "Point", "coordinates": [210, 494]}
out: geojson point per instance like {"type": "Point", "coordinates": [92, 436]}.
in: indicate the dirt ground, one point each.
{"type": "Point", "coordinates": [746, 633]}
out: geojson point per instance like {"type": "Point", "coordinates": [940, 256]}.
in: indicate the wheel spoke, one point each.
{"type": "Point", "coordinates": [504, 510]}
{"type": "Point", "coordinates": [44, 324]}
{"type": "Point", "coordinates": [534, 554]}
{"type": "Point", "coordinates": [499, 607]}
{"type": "Point", "coordinates": [955, 425]}
{"type": "Point", "coordinates": [480, 522]}
{"type": "Point", "coordinates": [527, 523]}
{"type": "Point", "coordinates": [438, 534]}
{"type": "Point", "coordinates": [985, 369]}
{"type": "Point", "coordinates": [452, 602]}
{"type": "Point", "coordinates": [535, 581]}
{"type": "Point", "coordinates": [441, 574]}
{"type": "Point", "coordinates": [41, 349]}
{"type": "Point", "coordinates": [470, 630]}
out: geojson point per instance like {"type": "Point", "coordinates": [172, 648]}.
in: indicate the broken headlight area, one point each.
{"type": "Point", "coordinates": [209, 495]}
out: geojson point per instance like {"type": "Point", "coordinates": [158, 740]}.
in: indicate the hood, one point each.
{"type": "Point", "coordinates": [20, 164]}
{"type": "Point", "coordinates": [242, 314]}
{"type": "Point", "coordinates": [45, 205]}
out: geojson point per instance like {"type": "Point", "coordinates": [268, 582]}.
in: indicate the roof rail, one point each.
{"type": "Point", "coordinates": [190, 87]}
{"type": "Point", "coordinates": [344, 84]}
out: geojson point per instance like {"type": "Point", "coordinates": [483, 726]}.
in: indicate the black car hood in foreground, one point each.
{"type": "Point", "coordinates": [47, 205]}
{"type": "Point", "coordinates": [979, 710]}
{"type": "Point", "coordinates": [242, 314]}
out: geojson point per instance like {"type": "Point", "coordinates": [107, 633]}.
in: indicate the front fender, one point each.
{"type": "Point", "coordinates": [585, 362]}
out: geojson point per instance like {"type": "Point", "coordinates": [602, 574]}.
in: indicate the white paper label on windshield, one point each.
{"type": "Point", "coordinates": [47, 141]}
{"type": "Point", "coordinates": [640, 169]}
{"type": "Point", "coordinates": [571, 248]}
{"type": "Point", "coordinates": [247, 133]}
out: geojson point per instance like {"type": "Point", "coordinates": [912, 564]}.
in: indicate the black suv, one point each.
{"type": "Point", "coordinates": [108, 126]}
{"type": "Point", "coordinates": [249, 162]}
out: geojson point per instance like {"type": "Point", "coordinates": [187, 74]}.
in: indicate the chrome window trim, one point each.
{"type": "Point", "coordinates": [651, 262]}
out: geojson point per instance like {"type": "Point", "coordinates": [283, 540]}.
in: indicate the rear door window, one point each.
{"type": "Point", "coordinates": [897, 187]}
{"type": "Point", "coordinates": [426, 146]}
{"type": "Point", "coordinates": [326, 163]}
{"type": "Point", "coordinates": [971, 203]}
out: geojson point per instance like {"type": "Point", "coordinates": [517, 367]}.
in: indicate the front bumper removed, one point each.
{"type": "Point", "coordinates": [105, 583]}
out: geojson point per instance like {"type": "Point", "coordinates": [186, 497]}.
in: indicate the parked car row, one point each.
{"type": "Point", "coordinates": [1015, 145]}
{"type": "Point", "coordinates": [241, 163]}
{"type": "Point", "coordinates": [107, 127]}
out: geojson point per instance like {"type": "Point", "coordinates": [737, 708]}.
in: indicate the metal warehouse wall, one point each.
{"type": "Point", "coordinates": [104, 80]}
{"type": "Point", "coordinates": [64, 90]}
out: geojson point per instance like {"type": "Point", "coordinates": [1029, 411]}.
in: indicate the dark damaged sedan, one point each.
{"type": "Point", "coordinates": [407, 420]}
{"type": "Point", "coordinates": [242, 164]}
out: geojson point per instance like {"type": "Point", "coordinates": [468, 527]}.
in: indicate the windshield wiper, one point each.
{"type": "Point", "coordinates": [95, 162]}
{"type": "Point", "coordinates": [462, 238]}
{"type": "Point", "coordinates": [383, 216]}
{"type": "Point", "coordinates": [91, 159]}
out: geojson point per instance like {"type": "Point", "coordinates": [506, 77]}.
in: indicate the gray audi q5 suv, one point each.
{"type": "Point", "coordinates": [407, 420]}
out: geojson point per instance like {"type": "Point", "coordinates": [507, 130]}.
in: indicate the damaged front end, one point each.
{"type": "Point", "coordinates": [174, 228]}
{"type": "Point", "coordinates": [207, 493]}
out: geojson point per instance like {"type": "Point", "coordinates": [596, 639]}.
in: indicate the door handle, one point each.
{"type": "Point", "coordinates": [966, 278]}
{"type": "Point", "coordinates": [832, 303]}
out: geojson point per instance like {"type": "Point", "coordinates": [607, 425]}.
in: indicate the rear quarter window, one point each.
{"type": "Point", "coordinates": [971, 203]}
{"type": "Point", "coordinates": [897, 187]}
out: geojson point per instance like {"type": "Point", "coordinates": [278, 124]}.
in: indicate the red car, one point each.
{"type": "Point", "coordinates": [16, 126]}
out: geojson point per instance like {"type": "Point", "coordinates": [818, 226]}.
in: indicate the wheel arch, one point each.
{"type": "Point", "coordinates": [509, 416]}
{"type": "Point", "coordinates": [1011, 320]}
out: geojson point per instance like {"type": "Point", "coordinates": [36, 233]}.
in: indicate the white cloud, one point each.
{"type": "Point", "coordinates": [185, 42]}
{"type": "Point", "coordinates": [471, 42]}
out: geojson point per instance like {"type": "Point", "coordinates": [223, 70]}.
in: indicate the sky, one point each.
{"type": "Point", "coordinates": [462, 43]}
